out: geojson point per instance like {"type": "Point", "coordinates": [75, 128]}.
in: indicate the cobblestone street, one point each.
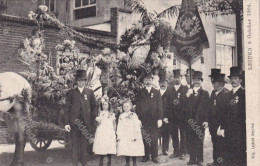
{"type": "Point", "coordinates": [56, 155]}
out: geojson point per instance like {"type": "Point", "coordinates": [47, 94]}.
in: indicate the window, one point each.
{"type": "Point", "coordinates": [225, 48]}
{"type": "Point", "coordinates": [3, 3]}
{"type": "Point", "coordinates": [51, 4]}
{"type": "Point", "coordinates": [84, 9]}
{"type": "Point", "coordinates": [3, 6]}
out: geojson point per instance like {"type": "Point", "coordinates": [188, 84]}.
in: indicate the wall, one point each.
{"type": "Point", "coordinates": [14, 30]}
{"type": "Point", "coordinates": [24, 7]}
{"type": "Point", "coordinates": [210, 53]}
{"type": "Point", "coordinates": [103, 13]}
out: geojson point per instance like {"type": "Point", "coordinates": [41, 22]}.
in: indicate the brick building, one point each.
{"type": "Point", "coordinates": [78, 13]}
{"type": "Point", "coordinates": [13, 30]}
{"type": "Point", "coordinates": [108, 24]}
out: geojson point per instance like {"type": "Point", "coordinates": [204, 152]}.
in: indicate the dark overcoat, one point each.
{"type": "Point", "coordinates": [149, 107]}
{"type": "Point", "coordinates": [235, 127]}
{"type": "Point", "coordinates": [197, 107]}
{"type": "Point", "coordinates": [176, 106]}
{"type": "Point", "coordinates": [81, 105]}
{"type": "Point", "coordinates": [218, 110]}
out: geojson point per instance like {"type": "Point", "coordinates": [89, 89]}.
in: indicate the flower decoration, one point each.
{"type": "Point", "coordinates": [32, 15]}
{"type": "Point", "coordinates": [43, 8]}
{"type": "Point", "coordinates": [66, 45]}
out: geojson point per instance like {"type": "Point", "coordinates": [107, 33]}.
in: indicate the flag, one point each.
{"type": "Point", "coordinates": [189, 37]}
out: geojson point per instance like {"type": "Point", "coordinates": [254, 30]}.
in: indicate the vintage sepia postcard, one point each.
{"type": "Point", "coordinates": [129, 82]}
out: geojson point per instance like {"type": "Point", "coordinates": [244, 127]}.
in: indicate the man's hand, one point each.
{"type": "Point", "coordinates": [220, 132]}
{"type": "Point", "coordinates": [190, 91]}
{"type": "Point", "coordinates": [67, 128]}
{"type": "Point", "coordinates": [159, 123]}
{"type": "Point", "coordinates": [205, 124]}
{"type": "Point", "coordinates": [166, 120]}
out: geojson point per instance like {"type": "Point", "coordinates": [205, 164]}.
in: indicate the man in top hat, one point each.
{"type": "Point", "coordinates": [235, 128]}
{"type": "Point", "coordinates": [218, 109]}
{"type": "Point", "coordinates": [150, 111]}
{"type": "Point", "coordinates": [165, 127]}
{"type": "Point", "coordinates": [80, 111]}
{"type": "Point", "coordinates": [197, 111]}
{"type": "Point", "coordinates": [176, 115]}
{"type": "Point", "coordinates": [188, 75]}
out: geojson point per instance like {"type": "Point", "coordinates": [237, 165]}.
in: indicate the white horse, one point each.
{"type": "Point", "coordinates": [14, 87]}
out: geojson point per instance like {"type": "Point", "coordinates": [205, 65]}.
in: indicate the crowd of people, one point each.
{"type": "Point", "coordinates": [181, 112]}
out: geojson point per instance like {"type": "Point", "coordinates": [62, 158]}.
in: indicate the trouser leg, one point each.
{"type": "Point", "coordinates": [165, 138]}
{"type": "Point", "coordinates": [191, 143]}
{"type": "Point", "coordinates": [199, 146]}
{"type": "Point", "coordinates": [147, 142]}
{"type": "Point", "coordinates": [75, 145]}
{"type": "Point", "coordinates": [154, 143]}
{"type": "Point", "coordinates": [175, 137]}
{"type": "Point", "coordinates": [183, 138]}
{"type": "Point", "coordinates": [83, 148]}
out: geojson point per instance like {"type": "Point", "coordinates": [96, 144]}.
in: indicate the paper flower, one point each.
{"type": "Point", "coordinates": [106, 51]}
{"type": "Point", "coordinates": [43, 8]}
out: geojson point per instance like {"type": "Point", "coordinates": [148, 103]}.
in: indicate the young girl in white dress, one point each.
{"type": "Point", "coordinates": [105, 137]}
{"type": "Point", "coordinates": [129, 135]}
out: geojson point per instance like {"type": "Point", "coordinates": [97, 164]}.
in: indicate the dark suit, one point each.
{"type": "Point", "coordinates": [149, 109]}
{"type": "Point", "coordinates": [165, 127]}
{"type": "Point", "coordinates": [219, 105]}
{"type": "Point", "coordinates": [81, 111]}
{"type": "Point", "coordinates": [235, 129]}
{"type": "Point", "coordinates": [197, 113]}
{"type": "Point", "coordinates": [176, 116]}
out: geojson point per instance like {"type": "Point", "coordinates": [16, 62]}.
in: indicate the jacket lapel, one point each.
{"type": "Point", "coordinates": [198, 101]}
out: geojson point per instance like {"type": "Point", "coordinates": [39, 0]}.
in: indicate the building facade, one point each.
{"type": "Point", "coordinates": [108, 20]}
{"type": "Point", "coordinates": [78, 13]}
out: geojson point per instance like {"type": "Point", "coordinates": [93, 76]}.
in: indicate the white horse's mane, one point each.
{"type": "Point", "coordinates": [11, 84]}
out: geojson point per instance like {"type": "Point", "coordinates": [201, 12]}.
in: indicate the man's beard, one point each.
{"type": "Point", "coordinates": [163, 87]}
{"type": "Point", "coordinates": [234, 84]}
{"type": "Point", "coordinates": [148, 85]}
{"type": "Point", "coordinates": [177, 82]}
{"type": "Point", "coordinates": [196, 85]}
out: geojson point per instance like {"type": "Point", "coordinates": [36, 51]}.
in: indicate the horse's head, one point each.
{"type": "Point", "coordinates": [15, 91]}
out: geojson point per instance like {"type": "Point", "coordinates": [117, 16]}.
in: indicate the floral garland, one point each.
{"type": "Point", "coordinates": [118, 72]}
{"type": "Point", "coordinates": [42, 16]}
{"type": "Point", "coordinates": [31, 52]}
{"type": "Point", "coordinates": [49, 89]}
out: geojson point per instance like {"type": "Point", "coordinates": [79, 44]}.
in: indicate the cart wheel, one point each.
{"type": "Point", "coordinates": [41, 144]}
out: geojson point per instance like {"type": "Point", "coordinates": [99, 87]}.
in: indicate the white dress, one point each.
{"type": "Point", "coordinates": [130, 142]}
{"type": "Point", "coordinates": [105, 136]}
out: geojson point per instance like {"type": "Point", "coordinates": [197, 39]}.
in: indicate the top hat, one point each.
{"type": "Point", "coordinates": [146, 71]}
{"type": "Point", "coordinates": [176, 73]}
{"type": "Point", "coordinates": [147, 75]}
{"type": "Point", "coordinates": [235, 71]}
{"type": "Point", "coordinates": [197, 75]}
{"type": "Point", "coordinates": [188, 71]}
{"type": "Point", "coordinates": [162, 76]}
{"type": "Point", "coordinates": [81, 75]}
{"type": "Point", "coordinates": [214, 72]}
{"type": "Point", "coordinates": [218, 78]}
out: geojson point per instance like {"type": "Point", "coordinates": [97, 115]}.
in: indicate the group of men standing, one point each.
{"type": "Point", "coordinates": [185, 111]}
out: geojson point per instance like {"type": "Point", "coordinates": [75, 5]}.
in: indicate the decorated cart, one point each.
{"type": "Point", "coordinates": [115, 70]}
